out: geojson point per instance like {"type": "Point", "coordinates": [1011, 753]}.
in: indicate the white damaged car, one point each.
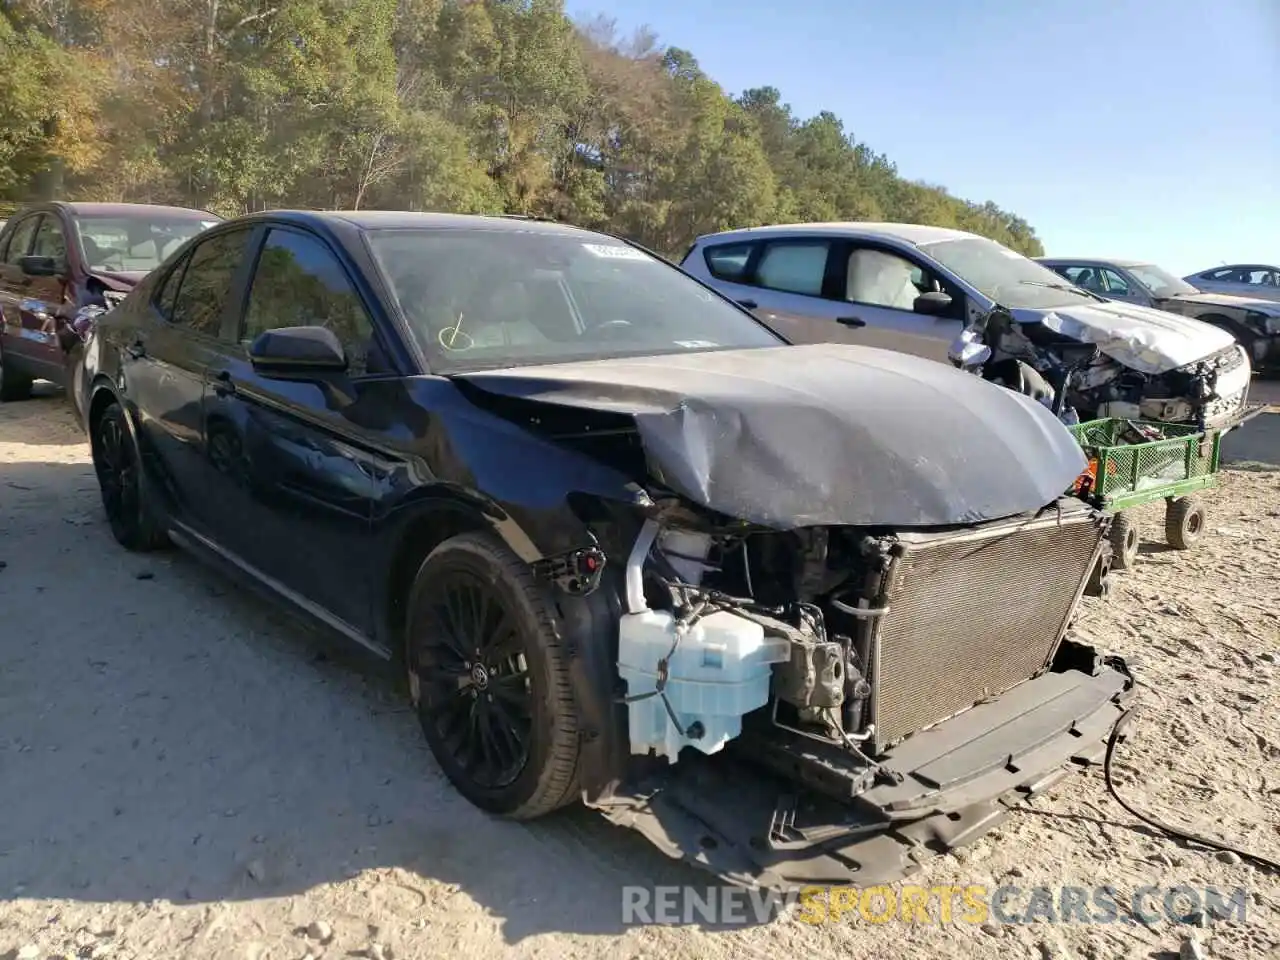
{"type": "Point", "coordinates": [917, 289]}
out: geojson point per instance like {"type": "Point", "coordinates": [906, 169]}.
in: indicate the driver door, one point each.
{"type": "Point", "coordinates": [293, 479]}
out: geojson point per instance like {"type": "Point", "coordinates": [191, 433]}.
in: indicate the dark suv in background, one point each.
{"type": "Point", "coordinates": [58, 257]}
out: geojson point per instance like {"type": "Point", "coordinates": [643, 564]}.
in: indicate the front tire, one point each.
{"type": "Point", "coordinates": [126, 491]}
{"type": "Point", "coordinates": [490, 679]}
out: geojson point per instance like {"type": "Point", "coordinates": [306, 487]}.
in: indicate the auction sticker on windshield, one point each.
{"type": "Point", "coordinates": [614, 253]}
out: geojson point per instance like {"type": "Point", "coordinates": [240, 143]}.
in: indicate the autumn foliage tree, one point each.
{"type": "Point", "coordinates": [467, 105]}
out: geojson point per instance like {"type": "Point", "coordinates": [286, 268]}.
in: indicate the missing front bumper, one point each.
{"type": "Point", "coordinates": [751, 826]}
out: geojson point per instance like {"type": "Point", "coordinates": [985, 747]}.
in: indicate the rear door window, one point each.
{"type": "Point", "coordinates": [207, 282]}
{"type": "Point", "coordinates": [794, 267]}
{"type": "Point", "coordinates": [167, 292]}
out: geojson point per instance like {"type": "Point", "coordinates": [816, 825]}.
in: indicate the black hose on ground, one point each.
{"type": "Point", "coordinates": [1118, 736]}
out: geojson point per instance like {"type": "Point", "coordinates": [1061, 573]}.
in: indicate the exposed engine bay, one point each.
{"type": "Point", "coordinates": [839, 631]}
{"type": "Point", "coordinates": [825, 658]}
{"type": "Point", "coordinates": [1207, 393]}
{"type": "Point", "coordinates": [840, 602]}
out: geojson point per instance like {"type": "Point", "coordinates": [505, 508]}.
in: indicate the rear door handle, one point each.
{"type": "Point", "coordinates": [223, 385]}
{"type": "Point", "coordinates": [851, 321]}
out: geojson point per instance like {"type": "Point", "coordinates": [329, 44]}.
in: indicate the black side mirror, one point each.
{"type": "Point", "coordinates": [297, 350]}
{"type": "Point", "coordinates": [934, 304]}
{"type": "Point", "coordinates": [39, 266]}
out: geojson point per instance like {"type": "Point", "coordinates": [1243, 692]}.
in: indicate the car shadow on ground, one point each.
{"type": "Point", "coordinates": [164, 735]}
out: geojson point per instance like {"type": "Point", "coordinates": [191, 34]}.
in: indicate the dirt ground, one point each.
{"type": "Point", "coordinates": [185, 773]}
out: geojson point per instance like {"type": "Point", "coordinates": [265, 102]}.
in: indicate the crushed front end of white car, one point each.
{"type": "Point", "coordinates": [1167, 372]}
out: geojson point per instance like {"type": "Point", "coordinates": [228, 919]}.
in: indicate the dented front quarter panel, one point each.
{"type": "Point", "coordinates": [522, 485]}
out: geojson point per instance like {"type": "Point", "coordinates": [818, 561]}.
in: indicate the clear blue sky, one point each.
{"type": "Point", "coordinates": [1133, 128]}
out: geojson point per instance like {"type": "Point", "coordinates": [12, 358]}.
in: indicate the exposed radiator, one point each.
{"type": "Point", "coordinates": [973, 613]}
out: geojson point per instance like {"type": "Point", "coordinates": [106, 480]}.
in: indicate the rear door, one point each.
{"type": "Point", "coordinates": [789, 284]}
{"type": "Point", "coordinates": [165, 361]}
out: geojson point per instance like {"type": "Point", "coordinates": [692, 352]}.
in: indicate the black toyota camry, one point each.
{"type": "Point", "coordinates": [798, 613]}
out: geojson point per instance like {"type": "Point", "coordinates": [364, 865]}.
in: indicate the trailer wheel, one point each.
{"type": "Point", "coordinates": [1184, 519]}
{"type": "Point", "coordinates": [1125, 538]}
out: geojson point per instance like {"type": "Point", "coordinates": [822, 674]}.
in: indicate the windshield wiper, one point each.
{"type": "Point", "coordinates": [1064, 287]}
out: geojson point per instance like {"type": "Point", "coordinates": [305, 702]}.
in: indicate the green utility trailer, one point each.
{"type": "Point", "coordinates": [1132, 462]}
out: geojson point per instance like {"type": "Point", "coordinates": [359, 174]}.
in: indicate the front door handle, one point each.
{"type": "Point", "coordinates": [851, 321]}
{"type": "Point", "coordinates": [223, 385]}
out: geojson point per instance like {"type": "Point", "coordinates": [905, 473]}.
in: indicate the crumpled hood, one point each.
{"type": "Point", "coordinates": [121, 280]}
{"type": "Point", "coordinates": [1141, 338]}
{"type": "Point", "coordinates": [1270, 307]}
{"type": "Point", "coordinates": [821, 434]}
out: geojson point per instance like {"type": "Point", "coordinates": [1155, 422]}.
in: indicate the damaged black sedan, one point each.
{"type": "Point", "coordinates": [798, 613]}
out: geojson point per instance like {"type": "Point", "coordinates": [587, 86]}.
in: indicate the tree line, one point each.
{"type": "Point", "coordinates": [475, 106]}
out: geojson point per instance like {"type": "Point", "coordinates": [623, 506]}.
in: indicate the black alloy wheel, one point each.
{"type": "Point", "coordinates": [490, 679]}
{"type": "Point", "coordinates": [477, 690]}
{"type": "Point", "coordinates": [123, 483]}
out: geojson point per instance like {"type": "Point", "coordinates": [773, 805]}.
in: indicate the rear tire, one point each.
{"type": "Point", "coordinates": [1126, 537]}
{"type": "Point", "coordinates": [1184, 519]}
{"type": "Point", "coordinates": [127, 497]}
{"type": "Point", "coordinates": [13, 385]}
{"type": "Point", "coordinates": [489, 676]}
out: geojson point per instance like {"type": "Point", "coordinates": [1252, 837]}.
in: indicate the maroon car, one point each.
{"type": "Point", "coordinates": [56, 258]}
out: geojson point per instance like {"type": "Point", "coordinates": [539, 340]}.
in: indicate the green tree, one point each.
{"type": "Point", "coordinates": [468, 105]}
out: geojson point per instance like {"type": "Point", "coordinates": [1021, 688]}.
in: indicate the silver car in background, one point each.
{"type": "Point", "coordinates": [1241, 279]}
{"type": "Point", "coordinates": [916, 289]}
{"type": "Point", "coordinates": [1254, 322]}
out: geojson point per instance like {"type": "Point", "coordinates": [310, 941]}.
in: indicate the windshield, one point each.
{"type": "Point", "coordinates": [1000, 274]}
{"type": "Point", "coordinates": [1161, 283]}
{"type": "Point", "coordinates": [136, 242]}
{"type": "Point", "coordinates": [478, 298]}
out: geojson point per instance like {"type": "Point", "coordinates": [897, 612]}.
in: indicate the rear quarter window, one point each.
{"type": "Point", "coordinates": [728, 261]}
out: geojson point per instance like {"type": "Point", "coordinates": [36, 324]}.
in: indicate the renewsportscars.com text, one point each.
{"type": "Point", "coordinates": [944, 904]}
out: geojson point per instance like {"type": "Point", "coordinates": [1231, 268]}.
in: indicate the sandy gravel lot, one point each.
{"type": "Point", "coordinates": [185, 773]}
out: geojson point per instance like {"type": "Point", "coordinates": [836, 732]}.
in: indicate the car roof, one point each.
{"type": "Point", "coordinates": [914, 233]}
{"type": "Point", "coordinates": [1105, 261]}
{"type": "Point", "coordinates": [407, 220]}
{"type": "Point", "coordinates": [1239, 266]}
{"type": "Point", "coordinates": [124, 209]}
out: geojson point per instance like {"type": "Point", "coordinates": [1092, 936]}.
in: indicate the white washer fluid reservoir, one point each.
{"type": "Point", "coordinates": [719, 672]}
